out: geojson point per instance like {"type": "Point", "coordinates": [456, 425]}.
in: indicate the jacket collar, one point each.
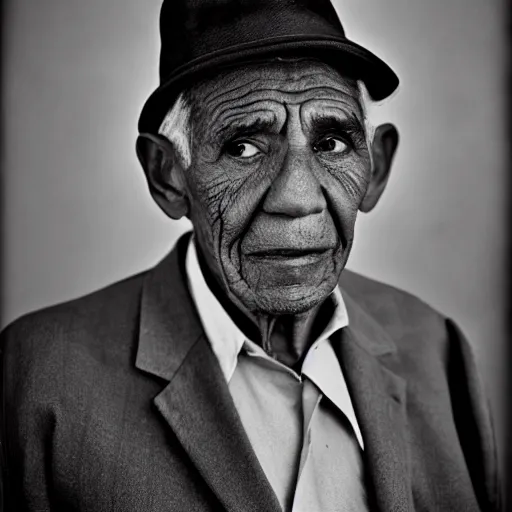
{"type": "Point", "coordinates": [365, 330]}
{"type": "Point", "coordinates": [169, 324]}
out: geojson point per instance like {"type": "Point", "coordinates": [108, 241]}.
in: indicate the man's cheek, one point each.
{"type": "Point", "coordinates": [240, 200]}
{"type": "Point", "coordinates": [345, 187]}
{"type": "Point", "coordinates": [209, 190]}
{"type": "Point", "coordinates": [353, 177]}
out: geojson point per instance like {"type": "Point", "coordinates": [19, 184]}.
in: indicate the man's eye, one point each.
{"type": "Point", "coordinates": [330, 145]}
{"type": "Point", "coordinates": [242, 150]}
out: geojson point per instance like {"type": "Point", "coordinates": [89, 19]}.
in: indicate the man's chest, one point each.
{"type": "Point", "coordinates": [115, 451]}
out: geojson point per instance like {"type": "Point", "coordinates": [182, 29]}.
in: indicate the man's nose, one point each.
{"type": "Point", "coordinates": [296, 191]}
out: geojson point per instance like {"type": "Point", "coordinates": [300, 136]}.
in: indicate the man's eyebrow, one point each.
{"type": "Point", "coordinates": [324, 123]}
{"type": "Point", "coordinates": [244, 128]}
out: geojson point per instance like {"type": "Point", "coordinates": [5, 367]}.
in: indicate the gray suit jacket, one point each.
{"type": "Point", "coordinates": [115, 402]}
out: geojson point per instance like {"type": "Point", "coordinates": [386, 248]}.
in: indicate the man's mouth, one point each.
{"type": "Point", "coordinates": [283, 253]}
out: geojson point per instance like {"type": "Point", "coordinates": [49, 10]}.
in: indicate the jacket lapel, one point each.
{"type": "Point", "coordinates": [196, 402]}
{"type": "Point", "coordinates": [379, 399]}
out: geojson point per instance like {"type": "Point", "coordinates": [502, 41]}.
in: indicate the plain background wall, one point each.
{"type": "Point", "coordinates": [77, 214]}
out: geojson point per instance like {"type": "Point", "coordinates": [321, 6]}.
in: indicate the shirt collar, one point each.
{"type": "Point", "coordinates": [225, 337]}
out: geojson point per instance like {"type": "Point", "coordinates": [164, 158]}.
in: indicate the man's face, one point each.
{"type": "Point", "coordinates": [280, 165]}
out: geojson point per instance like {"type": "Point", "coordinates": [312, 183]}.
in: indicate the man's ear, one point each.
{"type": "Point", "coordinates": [164, 174]}
{"type": "Point", "coordinates": [385, 142]}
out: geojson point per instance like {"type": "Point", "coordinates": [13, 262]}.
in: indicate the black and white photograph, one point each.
{"type": "Point", "coordinates": [255, 256]}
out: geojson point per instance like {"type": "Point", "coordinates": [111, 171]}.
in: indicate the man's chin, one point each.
{"type": "Point", "coordinates": [292, 300]}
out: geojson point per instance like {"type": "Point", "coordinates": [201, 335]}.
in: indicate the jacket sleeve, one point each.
{"type": "Point", "coordinates": [25, 429]}
{"type": "Point", "coordinates": [6, 500]}
{"type": "Point", "coordinates": [473, 420]}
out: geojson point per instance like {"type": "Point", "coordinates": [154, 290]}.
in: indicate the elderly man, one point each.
{"type": "Point", "coordinates": [248, 371]}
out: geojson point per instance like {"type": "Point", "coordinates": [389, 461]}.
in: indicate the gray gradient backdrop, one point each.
{"type": "Point", "coordinates": [78, 215]}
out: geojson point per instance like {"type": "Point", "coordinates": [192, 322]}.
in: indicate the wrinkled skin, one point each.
{"type": "Point", "coordinates": [280, 166]}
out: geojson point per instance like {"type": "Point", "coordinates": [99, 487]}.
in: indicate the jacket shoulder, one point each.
{"type": "Point", "coordinates": [414, 326]}
{"type": "Point", "coordinates": [92, 311]}
{"type": "Point", "coordinates": [100, 327]}
{"type": "Point", "coordinates": [386, 301]}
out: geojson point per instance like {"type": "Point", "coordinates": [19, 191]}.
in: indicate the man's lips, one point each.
{"type": "Point", "coordinates": [285, 253]}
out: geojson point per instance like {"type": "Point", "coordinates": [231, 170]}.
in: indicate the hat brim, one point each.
{"type": "Point", "coordinates": [349, 58]}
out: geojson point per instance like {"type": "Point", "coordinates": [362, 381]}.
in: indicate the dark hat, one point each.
{"type": "Point", "coordinates": [202, 36]}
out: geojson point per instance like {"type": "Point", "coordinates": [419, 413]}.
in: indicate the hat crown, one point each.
{"type": "Point", "coordinates": [190, 29]}
{"type": "Point", "coordinates": [201, 14]}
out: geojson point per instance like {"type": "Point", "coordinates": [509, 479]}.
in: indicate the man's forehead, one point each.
{"type": "Point", "coordinates": [284, 81]}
